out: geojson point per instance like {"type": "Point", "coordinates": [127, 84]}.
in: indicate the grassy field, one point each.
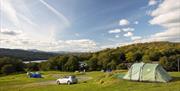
{"type": "Point", "coordinates": [91, 81]}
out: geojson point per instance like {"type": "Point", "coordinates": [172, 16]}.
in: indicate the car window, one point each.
{"type": "Point", "coordinates": [73, 77]}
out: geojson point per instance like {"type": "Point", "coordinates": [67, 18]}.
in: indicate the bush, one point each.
{"type": "Point", "coordinates": [147, 61]}
{"type": "Point", "coordinates": [121, 66]}
{"type": "Point", "coordinates": [72, 64]}
{"type": "Point", "coordinates": [7, 69]}
{"type": "Point", "coordinates": [170, 63]}
{"type": "Point", "coordinates": [32, 66]}
{"type": "Point", "coordinates": [18, 65]}
{"type": "Point", "coordinates": [92, 64]}
{"type": "Point", "coordinates": [43, 66]}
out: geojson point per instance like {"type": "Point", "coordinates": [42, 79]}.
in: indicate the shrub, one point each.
{"type": "Point", "coordinates": [121, 66]}
{"type": "Point", "coordinates": [169, 63]}
{"type": "Point", "coordinates": [7, 69]}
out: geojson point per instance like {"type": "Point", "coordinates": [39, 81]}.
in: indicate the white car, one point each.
{"type": "Point", "coordinates": [67, 80]}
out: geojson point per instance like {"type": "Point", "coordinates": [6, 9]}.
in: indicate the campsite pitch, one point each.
{"type": "Point", "coordinates": [91, 81]}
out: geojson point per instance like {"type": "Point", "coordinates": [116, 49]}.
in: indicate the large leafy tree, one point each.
{"type": "Point", "coordinates": [122, 57]}
{"type": "Point", "coordinates": [112, 65]}
{"type": "Point", "coordinates": [17, 64]}
{"type": "Point", "coordinates": [137, 56]}
{"type": "Point", "coordinates": [104, 59]}
{"type": "Point", "coordinates": [93, 64]}
{"type": "Point", "coordinates": [61, 62]}
{"type": "Point", "coordinates": [129, 57]}
{"type": "Point", "coordinates": [7, 69]}
{"type": "Point", "coordinates": [154, 56]}
{"type": "Point", "coordinates": [72, 64]}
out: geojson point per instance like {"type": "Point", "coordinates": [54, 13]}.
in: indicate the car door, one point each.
{"type": "Point", "coordinates": [65, 79]}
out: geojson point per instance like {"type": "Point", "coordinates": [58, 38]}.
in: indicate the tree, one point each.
{"type": "Point", "coordinates": [169, 63]}
{"type": "Point", "coordinates": [112, 65]}
{"type": "Point", "coordinates": [164, 62]}
{"type": "Point", "coordinates": [18, 65]}
{"type": "Point", "coordinates": [61, 62]}
{"type": "Point", "coordinates": [122, 57]}
{"type": "Point", "coordinates": [173, 61]}
{"type": "Point", "coordinates": [53, 63]}
{"type": "Point", "coordinates": [104, 59]}
{"type": "Point", "coordinates": [146, 59]}
{"type": "Point", "coordinates": [7, 69]}
{"type": "Point", "coordinates": [43, 66]}
{"type": "Point", "coordinates": [154, 56]}
{"type": "Point", "coordinates": [72, 64]}
{"type": "Point", "coordinates": [137, 56]}
{"type": "Point", "coordinates": [33, 66]}
{"type": "Point", "coordinates": [121, 66]}
{"type": "Point", "coordinates": [169, 52]}
{"type": "Point", "coordinates": [92, 64]}
{"type": "Point", "coordinates": [129, 57]}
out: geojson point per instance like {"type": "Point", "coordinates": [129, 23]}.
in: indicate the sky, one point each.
{"type": "Point", "coordinates": [86, 25]}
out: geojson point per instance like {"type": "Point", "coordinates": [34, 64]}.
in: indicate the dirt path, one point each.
{"type": "Point", "coordinates": [84, 78]}
{"type": "Point", "coordinates": [50, 82]}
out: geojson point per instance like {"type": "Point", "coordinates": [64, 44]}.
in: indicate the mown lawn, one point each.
{"type": "Point", "coordinates": [95, 81]}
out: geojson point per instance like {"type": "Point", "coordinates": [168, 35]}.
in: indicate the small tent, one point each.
{"type": "Point", "coordinates": [147, 72]}
{"type": "Point", "coordinates": [34, 75]}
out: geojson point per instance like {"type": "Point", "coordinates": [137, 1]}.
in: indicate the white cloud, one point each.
{"type": "Point", "coordinates": [128, 29]}
{"type": "Point", "coordinates": [82, 45]}
{"type": "Point", "coordinates": [25, 34]}
{"type": "Point", "coordinates": [167, 33]}
{"type": "Point", "coordinates": [136, 22]}
{"type": "Point", "coordinates": [152, 2]}
{"type": "Point", "coordinates": [10, 32]}
{"type": "Point", "coordinates": [167, 16]}
{"type": "Point", "coordinates": [20, 40]}
{"type": "Point", "coordinates": [166, 6]}
{"type": "Point", "coordinates": [128, 34]}
{"type": "Point", "coordinates": [124, 22]}
{"type": "Point", "coordinates": [114, 31]}
{"type": "Point", "coordinates": [136, 37]}
{"type": "Point", "coordinates": [81, 42]}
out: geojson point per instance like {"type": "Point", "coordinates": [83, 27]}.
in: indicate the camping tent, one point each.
{"type": "Point", "coordinates": [147, 72]}
{"type": "Point", "coordinates": [34, 74]}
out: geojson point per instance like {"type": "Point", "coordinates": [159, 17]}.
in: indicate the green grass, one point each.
{"type": "Point", "coordinates": [98, 82]}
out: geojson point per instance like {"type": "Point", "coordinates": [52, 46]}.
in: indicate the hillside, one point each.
{"type": "Point", "coordinates": [152, 51]}
{"type": "Point", "coordinates": [147, 48]}
{"type": "Point", "coordinates": [162, 48]}
{"type": "Point", "coordinates": [166, 53]}
{"type": "Point", "coordinates": [26, 54]}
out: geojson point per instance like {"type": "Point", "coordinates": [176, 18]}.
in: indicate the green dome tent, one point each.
{"type": "Point", "coordinates": [147, 72]}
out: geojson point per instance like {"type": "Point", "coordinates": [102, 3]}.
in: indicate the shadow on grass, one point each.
{"type": "Point", "coordinates": [175, 79]}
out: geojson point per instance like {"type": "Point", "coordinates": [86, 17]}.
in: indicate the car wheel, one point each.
{"type": "Point", "coordinates": [58, 82]}
{"type": "Point", "coordinates": [68, 82]}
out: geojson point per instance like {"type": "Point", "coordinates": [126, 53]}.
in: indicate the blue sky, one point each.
{"type": "Point", "coordinates": [86, 25]}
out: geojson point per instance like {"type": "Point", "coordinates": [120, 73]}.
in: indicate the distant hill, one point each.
{"type": "Point", "coordinates": [164, 48]}
{"type": "Point", "coordinates": [159, 49]}
{"type": "Point", "coordinates": [33, 54]}
{"type": "Point", "coordinates": [146, 48]}
{"type": "Point", "coordinates": [26, 55]}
